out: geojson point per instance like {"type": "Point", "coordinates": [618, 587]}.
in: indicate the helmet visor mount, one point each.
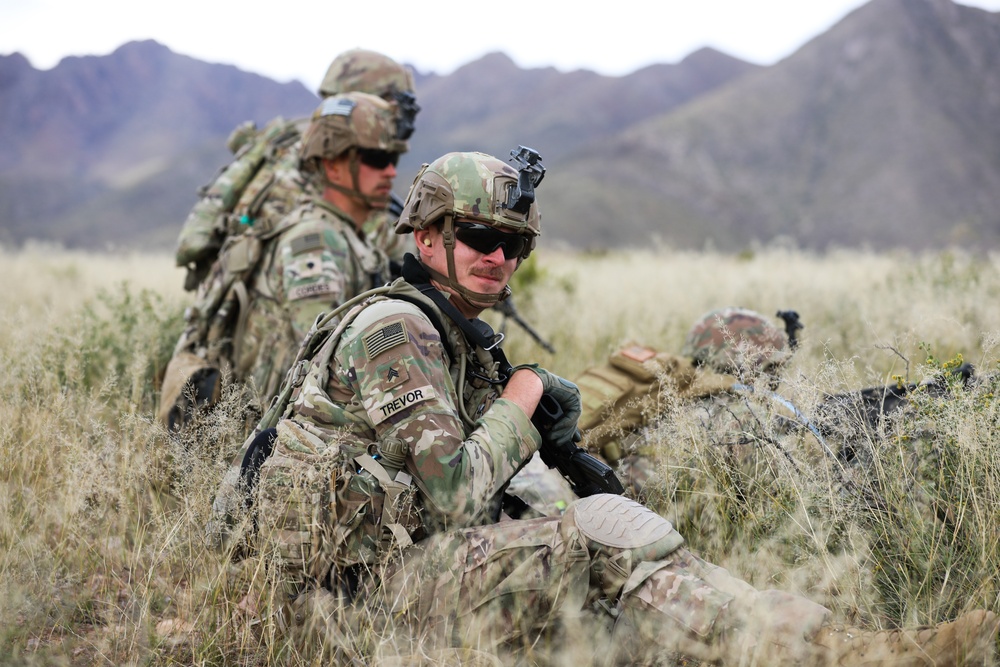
{"type": "Point", "coordinates": [407, 110]}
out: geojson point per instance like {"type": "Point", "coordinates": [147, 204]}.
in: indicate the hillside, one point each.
{"type": "Point", "coordinates": [113, 148]}
{"type": "Point", "coordinates": [143, 128]}
{"type": "Point", "coordinates": [880, 132]}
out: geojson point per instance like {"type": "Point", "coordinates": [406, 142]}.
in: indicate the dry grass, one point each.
{"type": "Point", "coordinates": [102, 559]}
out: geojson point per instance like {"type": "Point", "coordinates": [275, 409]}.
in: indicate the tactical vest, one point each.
{"type": "Point", "coordinates": [216, 334]}
{"type": "Point", "coordinates": [324, 501]}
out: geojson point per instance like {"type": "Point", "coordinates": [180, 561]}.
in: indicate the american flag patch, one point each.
{"type": "Point", "coordinates": [386, 338]}
{"type": "Point", "coordinates": [337, 106]}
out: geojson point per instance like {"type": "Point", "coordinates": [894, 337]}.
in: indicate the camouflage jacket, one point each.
{"type": "Point", "coordinates": [391, 379]}
{"type": "Point", "coordinates": [380, 232]}
{"type": "Point", "coordinates": [259, 302]}
{"type": "Point", "coordinates": [255, 192]}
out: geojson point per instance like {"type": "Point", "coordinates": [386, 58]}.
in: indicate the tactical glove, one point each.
{"type": "Point", "coordinates": [567, 395]}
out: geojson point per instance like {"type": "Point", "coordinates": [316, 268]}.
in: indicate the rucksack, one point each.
{"type": "Point", "coordinates": [624, 394]}
{"type": "Point", "coordinates": [211, 340]}
{"type": "Point", "coordinates": [232, 202]}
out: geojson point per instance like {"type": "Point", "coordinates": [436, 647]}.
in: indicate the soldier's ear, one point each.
{"type": "Point", "coordinates": [424, 242]}
{"type": "Point", "coordinates": [337, 170]}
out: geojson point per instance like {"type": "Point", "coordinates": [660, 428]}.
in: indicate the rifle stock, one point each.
{"type": "Point", "coordinates": [585, 473]}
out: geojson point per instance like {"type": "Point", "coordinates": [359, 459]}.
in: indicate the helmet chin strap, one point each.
{"type": "Point", "coordinates": [476, 299]}
{"type": "Point", "coordinates": [355, 192]}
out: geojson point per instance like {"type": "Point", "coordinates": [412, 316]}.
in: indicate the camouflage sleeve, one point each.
{"type": "Point", "coordinates": [397, 367]}
{"type": "Point", "coordinates": [311, 272]}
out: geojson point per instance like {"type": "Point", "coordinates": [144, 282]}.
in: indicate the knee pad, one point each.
{"type": "Point", "coordinates": [619, 533]}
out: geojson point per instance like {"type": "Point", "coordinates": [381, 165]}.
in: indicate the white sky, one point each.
{"type": "Point", "coordinates": [296, 39]}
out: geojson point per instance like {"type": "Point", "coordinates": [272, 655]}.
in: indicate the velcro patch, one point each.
{"type": "Point", "coordinates": [638, 353]}
{"type": "Point", "coordinates": [406, 399]}
{"type": "Point", "coordinates": [312, 290]}
{"type": "Point", "coordinates": [392, 374]}
{"type": "Point", "coordinates": [306, 242]}
{"type": "Point", "coordinates": [386, 338]}
{"type": "Point", "coordinates": [337, 106]}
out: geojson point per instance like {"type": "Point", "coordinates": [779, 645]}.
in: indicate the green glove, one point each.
{"type": "Point", "coordinates": [567, 395]}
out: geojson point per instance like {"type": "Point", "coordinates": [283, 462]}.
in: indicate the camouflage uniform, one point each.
{"type": "Point", "coordinates": [263, 183]}
{"type": "Point", "coordinates": [269, 285]}
{"type": "Point", "coordinates": [318, 262]}
{"type": "Point", "coordinates": [478, 580]}
{"type": "Point", "coordinates": [407, 391]}
{"type": "Point", "coordinates": [726, 355]}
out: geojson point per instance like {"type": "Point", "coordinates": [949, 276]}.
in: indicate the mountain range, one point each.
{"type": "Point", "coordinates": [881, 132]}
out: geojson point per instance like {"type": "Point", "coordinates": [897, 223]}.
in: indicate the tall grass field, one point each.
{"type": "Point", "coordinates": [103, 559]}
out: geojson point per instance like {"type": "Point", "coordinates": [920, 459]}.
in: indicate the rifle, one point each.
{"type": "Point", "coordinates": [509, 310]}
{"type": "Point", "coordinates": [866, 408]}
{"type": "Point", "coordinates": [585, 473]}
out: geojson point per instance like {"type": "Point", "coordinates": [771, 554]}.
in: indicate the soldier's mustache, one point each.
{"type": "Point", "coordinates": [492, 272]}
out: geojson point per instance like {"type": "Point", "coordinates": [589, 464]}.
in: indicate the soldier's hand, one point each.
{"type": "Point", "coordinates": [567, 395]}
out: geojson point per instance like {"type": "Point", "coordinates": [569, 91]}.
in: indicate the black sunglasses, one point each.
{"type": "Point", "coordinates": [377, 159]}
{"type": "Point", "coordinates": [486, 239]}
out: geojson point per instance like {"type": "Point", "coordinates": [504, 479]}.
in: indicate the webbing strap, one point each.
{"type": "Point", "coordinates": [371, 260]}
{"type": "Point", "coordinates": [240, 290]}
{"type": "Point", "coordinates": [393, 490]}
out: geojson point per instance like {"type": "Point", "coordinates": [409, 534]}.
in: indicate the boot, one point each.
{"type": "Point", "coordinates": [966, 641]}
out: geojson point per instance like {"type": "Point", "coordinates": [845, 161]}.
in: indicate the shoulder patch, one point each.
{"type": "Point", "coordinates": [385, 338]}
{"type": "Point", "coordinates": [306, 242]}
{"type": "Point", "coordinates": [639, 353]}
{"type": "Point", "coordinates": [392, 374]}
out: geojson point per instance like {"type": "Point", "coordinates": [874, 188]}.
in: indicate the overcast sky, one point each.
{"type": "Point", "coordinates": [296, 39]}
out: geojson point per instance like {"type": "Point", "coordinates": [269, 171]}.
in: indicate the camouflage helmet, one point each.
{"type": "Point", "coordinates": [471, 186]}
{"type": "Point", "coordinates": [360, 70]}
{"type": "Point", "coordinates": [476, 188]}
{"type": "Point", "coordinates": [736, 340]}
{"type": "Point", "coordinates": [351, 120]}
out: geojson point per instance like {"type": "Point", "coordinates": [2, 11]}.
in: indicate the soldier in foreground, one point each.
{"type": "Point", "coordinates": [381, 488]}
{"type": "Point", "coordinates": [267, 288]}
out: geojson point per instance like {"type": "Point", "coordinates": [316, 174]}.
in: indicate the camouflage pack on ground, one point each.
{"type": "Point", "coordinates": [322, 499]}
{"type": "Point", "coordinates": [330, 504]}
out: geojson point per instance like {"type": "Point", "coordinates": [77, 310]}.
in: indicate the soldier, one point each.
{"type": "Point", "coordinates": [263, 183]}
{"type": "Point", "coordinates": [267, 288]}
{"type": "Point", "coordinates": [382, 487]}
{"type": "Point", "coordinates": [725, 354]}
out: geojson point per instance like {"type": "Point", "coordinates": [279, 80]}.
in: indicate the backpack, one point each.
{"type": "Point", "coordinates": [232, 202]}
{"type": "Point", "coordinates": [326, 506]}
{"type": "Point", "coordinates": [625, 393]}
{"type": "Point", "coordinates": [214, 330]}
